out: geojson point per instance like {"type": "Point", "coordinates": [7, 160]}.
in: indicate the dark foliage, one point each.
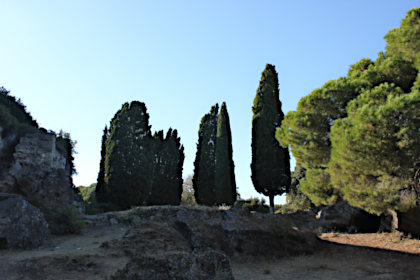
{"type": "Point", "coordinates": [138, 168]}
{"type": "Point", "coordinates": [214, 178]}
{"type": "Point", "coordinates": [270, 162]}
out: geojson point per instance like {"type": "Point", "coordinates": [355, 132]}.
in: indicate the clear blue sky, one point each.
{"type": "Point", "coordinates": [74, 63]}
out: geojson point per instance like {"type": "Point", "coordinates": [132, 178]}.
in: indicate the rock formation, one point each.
{"type": "Point", "coordinates": [343, 217]}
{"type": "Point", "coordinates": [38, 169]}
{"type": "Point", "coordinates": [22, 225]}
{"type": "Point", "coordinates": [161, 242]}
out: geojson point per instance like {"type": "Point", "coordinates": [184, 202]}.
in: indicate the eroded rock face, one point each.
{"type": "Point", "coordinates": [40, 172]}
{"type": "Point", "coordinates": [343, 217]}
{"type": "Point", "coordinates": [22, 225]}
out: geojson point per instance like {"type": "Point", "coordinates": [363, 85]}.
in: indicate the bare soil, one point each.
{"type": "Point", "coordinates": [342, 256]}
{"type": "Point", "coordinates": [389, 241]}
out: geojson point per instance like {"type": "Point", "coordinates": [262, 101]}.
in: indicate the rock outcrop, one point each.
{"type": "Point", "coordinates": [161, 242]}
{"type": "Point", "coordinates": [343, 217]}
{"type": "Point", "coordinates": [39, 170]}
{"type": "Point", "coordinates": [22, 225]}
{"type": "Point", "coordinates": [409, 222]}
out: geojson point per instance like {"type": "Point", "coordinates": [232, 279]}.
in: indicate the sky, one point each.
{"type": "Point", "coordinates": [74, 63]}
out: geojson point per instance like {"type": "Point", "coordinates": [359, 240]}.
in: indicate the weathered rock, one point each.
{"type": "Point", "coordinates": [232, 232]}
{"type": "Point", "coordinates": [162, 242]}
{"type": "Point", "coordinates": [40, 172]}
{"type": "Point", "coordinates": [159, 252]}
{"type": "Point", "coordinates": [22, 225]}
{"type": "Point", "coordinates": [409, 222]}
{"type": "Point", "coordinates": [343, 217]}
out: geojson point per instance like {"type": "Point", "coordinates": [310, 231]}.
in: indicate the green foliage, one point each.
{"type": "Point", "coordinates": [404, 41]}
{"type": "Point", "coordinates": [252, 204]}
{"type": "Point", "coordinates": [136, 167]}
{"type": "Point", "coordinates": [88, 195]}
{"type": "Point", "coordinates": [101, 174]}
{"type": "Point", "coordinates": [270, 162]}
{"type": "Point", "coordinates": [376, 148]}
{"type": "Point", "coordinates": [71, 220]}
{"type": "Point", "coordinates": [296, 200]}
{"type": "Point", "coordinates": [15, 122]}
{"type": "Point", "coordinates": [166, 174]}
{"type": "Point", "coordinates": [214, 178]}
{"type": "Point", "coordinates": [318, 188]}
{"type": "Point", "coordinates": [225, 185]}
{"type": "Point", "coordinates": [205, 160]}
{"type": "Point", "coordinates": [364, 161]}
{"type": "Point", "coordinates": [68, 145]}
{"type": "Point", "coordinates": [14, 109]}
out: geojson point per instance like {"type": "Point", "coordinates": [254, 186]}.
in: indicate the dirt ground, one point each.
{"type": "Point", "coordinates": [334, 261]}
{"type": "Point", "coordinates": [359, 256]}
{"type": "Point", "coordinates": [389, 241]}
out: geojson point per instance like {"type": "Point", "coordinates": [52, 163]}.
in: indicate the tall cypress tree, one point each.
{"type": "Point", "coordinates": [205, 163]}
{"type": "Point", "coordinates": [270, 162]}
{"type": "Point", "coordinates": [225, 185]}
{"type": "Point", "coordinates": [214, 178]}
{"type": "Point", "coordinates": [101, 174]}
{"type": "Point", "coordinates": [168, 158]}
{"type": "Point", "coordinates": [127, 157]}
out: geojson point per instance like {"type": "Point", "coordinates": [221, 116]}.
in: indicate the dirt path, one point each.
{"type": "Point", "coordinates": [76, 256]}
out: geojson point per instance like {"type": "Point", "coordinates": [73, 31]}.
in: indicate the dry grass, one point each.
{"type": "Point", "coordinates": [389, 241]}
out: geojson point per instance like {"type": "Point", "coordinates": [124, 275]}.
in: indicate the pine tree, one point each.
{"type": "Point", "coordinates": [225, 185]}
{"type": "Point", "coordinates": [205, 163]}
{"type": "Point", "coordinates": [270, 162]}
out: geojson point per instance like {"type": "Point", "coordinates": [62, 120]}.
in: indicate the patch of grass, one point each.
{"type": "Point", "coordinates": [71, 219]}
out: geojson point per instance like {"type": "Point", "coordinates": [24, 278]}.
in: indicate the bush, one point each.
{"type": "Point", "coordinates": [252, 204]}
{"type": "Point", "coordinates": [71, 220]}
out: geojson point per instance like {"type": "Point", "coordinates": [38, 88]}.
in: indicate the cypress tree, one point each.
{"type": "Point", "coordinates": [214, 177]}
{"type": "Point", "coordinates": [101, 174]}
{"type": "Point", "coordinates": [270, 162]}
{"type": "Point", "coordinates": [225, 185]}
{"type": "Point", "coordinates": [168, 158]}
{"type": "Point", "coordinates": [127, 157]}
{"type": "Point", "coordinates": [204, 165]}
{"type": "Point", "coordinates": [137, 168]}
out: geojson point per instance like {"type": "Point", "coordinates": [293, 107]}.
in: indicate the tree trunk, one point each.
{"type": "Point", "coordinates": [271, 196]}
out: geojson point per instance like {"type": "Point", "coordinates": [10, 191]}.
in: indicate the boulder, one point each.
{"type": "Point", "coordinates": [22, 225]}
{"type": "Point", "coordinates": [409, 222]}
{"type": "Point", "coordinates": [343, 217]}
{"type": "Point", "coordinates": [40, 171]}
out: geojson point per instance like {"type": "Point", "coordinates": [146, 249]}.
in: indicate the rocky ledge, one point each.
{"type": "Point", "coordinates": [159, 242]}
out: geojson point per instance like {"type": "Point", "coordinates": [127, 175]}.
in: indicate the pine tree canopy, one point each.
{"type": "Point", "coordinates": [358, 136]}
